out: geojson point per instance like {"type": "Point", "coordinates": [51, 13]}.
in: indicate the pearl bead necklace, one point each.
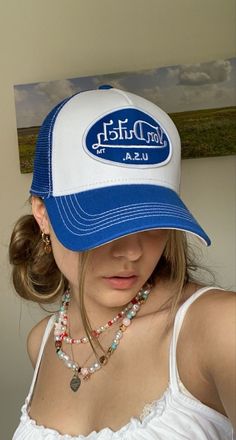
{"type": "Point", "coordinates": [61, 334]}
{"type": "Point", "coordinates": [62, 322]}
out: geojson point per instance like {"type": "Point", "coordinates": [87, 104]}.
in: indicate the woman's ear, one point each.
{"type": "Point", "coordinates": [40, 214]}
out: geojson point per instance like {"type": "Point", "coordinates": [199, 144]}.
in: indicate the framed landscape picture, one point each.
{"type": "Point", "coordinates": [200, 98]}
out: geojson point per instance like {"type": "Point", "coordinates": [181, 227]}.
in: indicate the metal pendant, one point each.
{"type": "Point", "coordinates": [75, 382]}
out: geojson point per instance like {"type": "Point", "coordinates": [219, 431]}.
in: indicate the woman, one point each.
{"type": "Point", "coordinates": [108, 239]}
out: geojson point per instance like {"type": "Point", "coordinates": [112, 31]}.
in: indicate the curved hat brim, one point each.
{"type": "Point", "coordinates": [95, 217]}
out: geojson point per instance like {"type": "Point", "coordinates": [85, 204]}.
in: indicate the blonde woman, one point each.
{"type": "Point", "coordinates": [137, 349]}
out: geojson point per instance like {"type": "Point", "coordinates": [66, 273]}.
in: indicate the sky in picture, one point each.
{"type": "Point", "coordinates": [175, 89]}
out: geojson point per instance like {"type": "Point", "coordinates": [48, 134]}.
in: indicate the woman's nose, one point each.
{"type": "Point", "coordinates": [129, 247]}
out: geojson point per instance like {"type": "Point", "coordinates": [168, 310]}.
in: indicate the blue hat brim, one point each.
{"type": "Point", "coordinates": [95, 217]}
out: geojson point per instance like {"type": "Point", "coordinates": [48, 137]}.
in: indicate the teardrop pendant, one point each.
{"type": "Point", "coordinates": [75, 382]}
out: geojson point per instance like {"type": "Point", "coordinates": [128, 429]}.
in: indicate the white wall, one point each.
{"type": "Point", "coordinates": [55, 39]}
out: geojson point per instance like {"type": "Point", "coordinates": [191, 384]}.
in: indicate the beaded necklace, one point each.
{"type": "Point", "coordinates": [61, 334]}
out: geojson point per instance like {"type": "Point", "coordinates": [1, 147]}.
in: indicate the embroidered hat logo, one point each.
{"type": "Point", "coordinates": [128, 137]}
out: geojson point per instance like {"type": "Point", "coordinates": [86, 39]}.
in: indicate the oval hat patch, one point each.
{"type": "Point", "coordinates": [128, 137]}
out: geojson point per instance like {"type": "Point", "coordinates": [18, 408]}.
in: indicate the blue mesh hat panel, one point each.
{"type": "Point", "coordinates": [42, 176]}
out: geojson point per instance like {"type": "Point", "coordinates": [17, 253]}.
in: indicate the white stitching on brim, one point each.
{"type": "Point", "coordinates": [105, 225]}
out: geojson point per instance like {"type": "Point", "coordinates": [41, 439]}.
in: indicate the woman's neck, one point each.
{"type": "Point", "coordinates": [99, 314]}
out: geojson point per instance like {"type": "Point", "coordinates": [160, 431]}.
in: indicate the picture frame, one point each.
{"type": "Point", "coordinates": [200, 99]}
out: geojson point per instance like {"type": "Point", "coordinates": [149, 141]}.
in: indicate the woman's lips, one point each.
{"type": "Point", "coordinates": [121, 282]}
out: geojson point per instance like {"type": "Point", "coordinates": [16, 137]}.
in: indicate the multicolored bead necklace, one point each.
{"type": "Point", "coordinates": [61, 334]}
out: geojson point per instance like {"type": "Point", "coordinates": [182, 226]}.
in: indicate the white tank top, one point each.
{"type": "Point", "coordinates": [177, 415]}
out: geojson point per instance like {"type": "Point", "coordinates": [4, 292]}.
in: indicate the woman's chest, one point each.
{"type": "Point", "coordinates": [136, 374]}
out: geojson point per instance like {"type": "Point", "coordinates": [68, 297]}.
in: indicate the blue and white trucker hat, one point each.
{"type": "Point", "coordinates": [107, 164]}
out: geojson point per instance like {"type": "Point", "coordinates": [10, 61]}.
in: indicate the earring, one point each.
{"type": "Point", "coordinates": [47, 243]}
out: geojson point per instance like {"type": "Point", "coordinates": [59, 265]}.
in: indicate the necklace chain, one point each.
{"type": "Point", "coordinates": [61, 334]}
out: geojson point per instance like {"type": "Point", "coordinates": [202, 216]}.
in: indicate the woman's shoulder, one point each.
{"type": "Point", "coordinates": [212, 310]}
{"type": "Point", "coordinates": [213, 302]}
{"type": "Point", "coordinates": [207, 345]}
{"type": "Point", "coordinates": [34, 339]}
{"type": "Point", "coordinates": [212, 319]}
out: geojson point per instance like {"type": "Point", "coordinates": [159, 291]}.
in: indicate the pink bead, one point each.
{"type": "Point", "coordinates": [84, 371]}
{"type": "Point", "coordinates": [126, 322]}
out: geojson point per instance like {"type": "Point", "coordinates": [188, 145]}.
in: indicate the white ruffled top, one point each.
{"type": "Point", "coordinates": [177, 415]}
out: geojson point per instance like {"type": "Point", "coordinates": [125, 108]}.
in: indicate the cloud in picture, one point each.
{"type": "Point", "coordinates": [174, 88]}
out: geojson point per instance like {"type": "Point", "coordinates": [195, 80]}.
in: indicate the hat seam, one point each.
{"type": "Point", "coordinates": [124, 94]}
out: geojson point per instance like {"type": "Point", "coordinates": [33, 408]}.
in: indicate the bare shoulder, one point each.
{"type": "Point", "coordinates": [210, 324]}
{"type": "Point", "coordinates": [213, 318]}
{"type": "Point", "coordinates": [35, 338]}
{"type": "Point", "coordinates": [217, 305]}
{"type": "Point", "coordinates": [214, 314]}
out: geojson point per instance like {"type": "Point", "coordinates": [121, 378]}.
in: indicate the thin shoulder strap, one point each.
{"type": "Point", "coordinates": [173, 370]}
{"type": "Point", "coordinates": [47, 332]}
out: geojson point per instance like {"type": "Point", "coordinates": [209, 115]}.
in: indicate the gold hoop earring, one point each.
{"type": "Point", "coordinates": [47, 243]}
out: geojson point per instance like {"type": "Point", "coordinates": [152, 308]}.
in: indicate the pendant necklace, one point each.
{"type": "Point", "coordinates": [61, 334]}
